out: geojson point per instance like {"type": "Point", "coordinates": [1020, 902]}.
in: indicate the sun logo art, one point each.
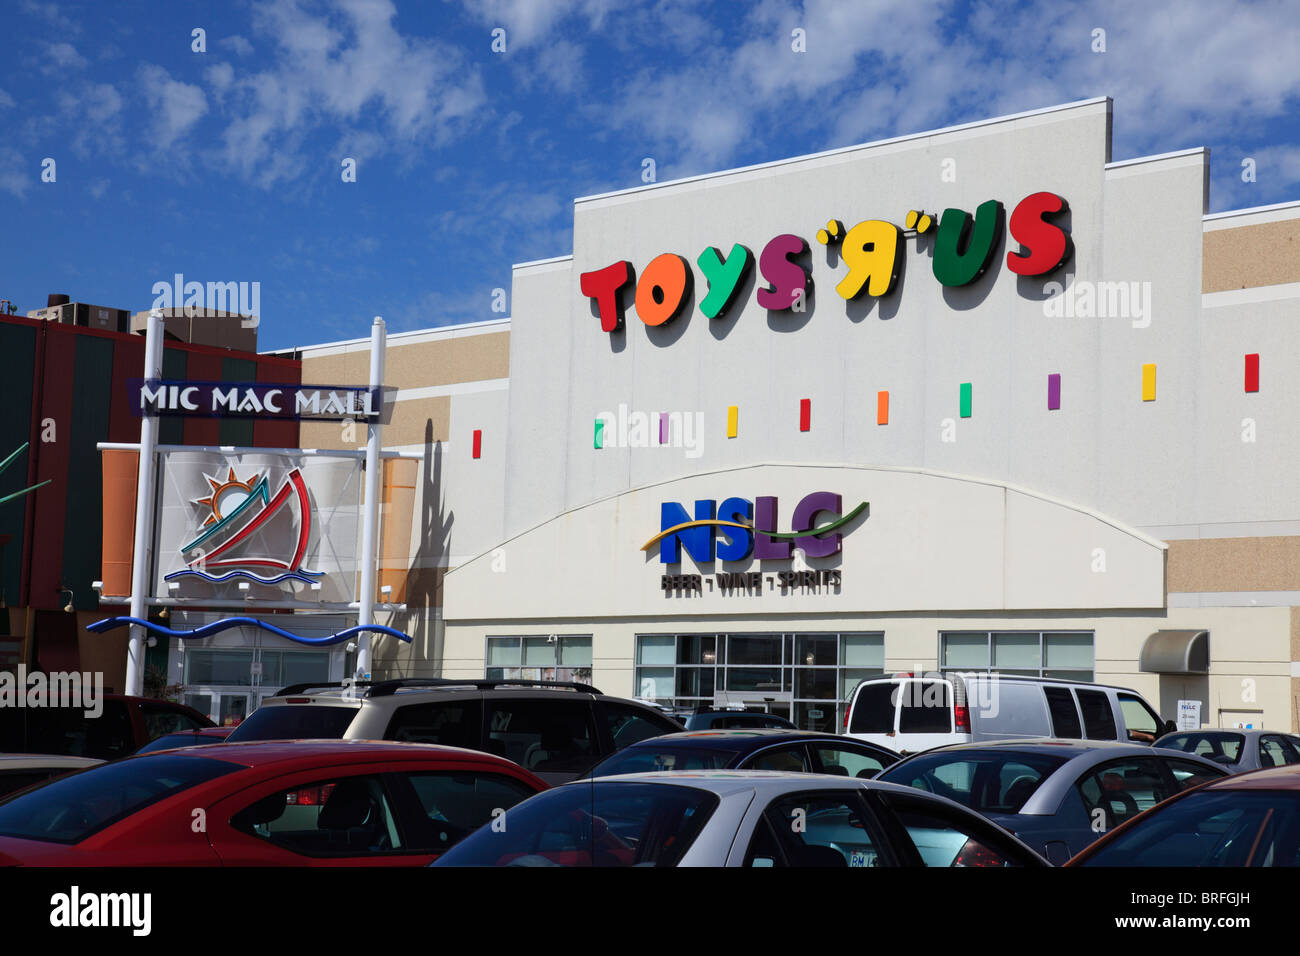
{"type": "Point", "coordinates": [246, 532]}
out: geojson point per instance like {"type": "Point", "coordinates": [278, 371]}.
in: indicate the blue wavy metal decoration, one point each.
{"type": "Point", "coordinates": [221, 578]}
{"type": "Point", "coordinates": [207, 630]}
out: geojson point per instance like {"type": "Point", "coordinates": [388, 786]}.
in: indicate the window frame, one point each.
{"type": "Point", "coordinates": [1082, 676]}
{"type": "Point", "coordinates": [790, 670]}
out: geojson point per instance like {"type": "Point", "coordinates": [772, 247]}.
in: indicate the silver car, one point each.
{"type": "Point", "coordinates": [1056, 795]}
{"type": "Point", "coordinates": [738, 818]}
{"type": "Point", "coordinates": [1237, 750]}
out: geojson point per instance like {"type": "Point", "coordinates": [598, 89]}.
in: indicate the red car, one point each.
{"type": "Point", "coordinates": [278, 803]}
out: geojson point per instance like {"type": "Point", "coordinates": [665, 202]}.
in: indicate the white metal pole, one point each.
{"type": "Point", "coordinates": [370, 518]}
{"type": "Point", "coordinates": [153, 348]}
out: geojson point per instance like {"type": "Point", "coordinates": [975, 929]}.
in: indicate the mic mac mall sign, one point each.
{"type": "Point", "coordinates": [258, 400]}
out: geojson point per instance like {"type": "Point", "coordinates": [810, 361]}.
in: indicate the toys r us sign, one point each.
{"type": "Point", "coordinates": [871, 251]}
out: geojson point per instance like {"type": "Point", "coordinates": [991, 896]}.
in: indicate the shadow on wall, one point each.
{"type": "Point", "coordinates": [423, 657]}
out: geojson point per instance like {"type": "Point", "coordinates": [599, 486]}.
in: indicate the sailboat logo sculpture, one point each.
{"type": "Point", "coordinates": [242, 526]}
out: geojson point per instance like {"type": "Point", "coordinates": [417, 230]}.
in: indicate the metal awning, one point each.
{"type": "Point", "coordinates": [1176, 652]}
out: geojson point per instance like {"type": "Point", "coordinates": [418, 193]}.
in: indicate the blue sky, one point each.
{"type": "Point", "coordinates": [225, 165]}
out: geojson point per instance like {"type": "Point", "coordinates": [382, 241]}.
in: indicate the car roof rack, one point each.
{"type": "Point", "coordinates": [389, 687]}
{"type": "Point", "coordinates": [386, 688]}
{"type": "Point", "coordinates": [315, 685]}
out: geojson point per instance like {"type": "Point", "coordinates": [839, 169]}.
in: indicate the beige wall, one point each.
{"type": "Point", "coordinates": [1249, 650]}
{"type": "Point", "coordinates": [1235, 564]}
{"type": "Point", "coordinates": [449, 361]}
{"type": "Point", "coordinates": [457, 499]}
{"type": "Point", "coordinates": [1248, 256]}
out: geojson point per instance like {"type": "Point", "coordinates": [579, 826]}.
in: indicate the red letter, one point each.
{"type": "Point", "coordinates": [1047, 245]}
{"type": "Point", "coordinates": [602, 286]}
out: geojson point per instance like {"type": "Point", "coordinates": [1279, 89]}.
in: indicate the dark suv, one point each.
{"type": "Point", "coordinates": [555, 729]}
{"type": "Point", "coordinates": [125, 725]}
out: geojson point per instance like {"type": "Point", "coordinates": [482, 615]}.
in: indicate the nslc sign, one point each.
{"type": "Point", "coordinates": [749, 529]}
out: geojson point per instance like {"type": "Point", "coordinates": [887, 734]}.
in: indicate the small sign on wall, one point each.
{"type": "Point", "coordinates": [1189, 715]}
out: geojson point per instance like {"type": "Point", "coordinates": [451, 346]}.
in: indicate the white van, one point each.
{"type": "Point", "coordinates": [907, 713]}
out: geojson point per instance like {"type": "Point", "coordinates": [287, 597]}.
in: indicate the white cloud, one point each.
{"type": "Point", "coordinates": [176, 106]}
{"type": "Point", "coordinates": [238, 44]}
{"type": "Point", "coordinates": [61, 56]}
{"type": "Point", "coordinates": [6, 100]}
{"type": "Point", "coordinates": [15, 178]}
{"type": "Point", "coordinates": [49, 12]}
{"type": "Point", "coordinates": [348, 67]}
{"type": "Point", "coordinates": [220, 76]}
{"type": "Point", "coordinates": [94, 110]}
{"type": "Point", "coordinates": [532, 21]}
{"type": "Point", "coordinates": [901, 66]}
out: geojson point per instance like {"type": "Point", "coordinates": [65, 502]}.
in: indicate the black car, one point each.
{"type": "Point", "coordinates": [800, 751]}
{"type": "Point", "coordinates": [735, 720]}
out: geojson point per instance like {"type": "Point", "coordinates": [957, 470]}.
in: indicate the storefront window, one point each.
{"type": "Point", "coordinates": [804, 677]}
{"type": "Point", "coordinates": [1065, 655]}
{"type": "Point", "coordinates": [559, 657]}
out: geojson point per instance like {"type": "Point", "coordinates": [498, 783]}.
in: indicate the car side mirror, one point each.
{"type": "Point", "coordinates": [1170, 727]}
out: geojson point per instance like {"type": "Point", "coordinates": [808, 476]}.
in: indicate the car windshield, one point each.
{"type": "Point", "coordinates": [990, 782]}
{"type": "Point", "coordinates": [1212, 828]}
{"type": "Point", "coordinates": [646, 759]}
{"type": "Point", "coordinates": [294, 722]}
{"type": "Point", "coordinates": [71, 808]}
{"type": "Point", "coordinates": [1206, 745]}
{"type": "Point", "coordinates": [601, 824]}
{"type": "Point", "coordinates": [172, 741]}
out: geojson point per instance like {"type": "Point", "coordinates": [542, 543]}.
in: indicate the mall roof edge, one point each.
{"type": "Point", "coordinates": [1159, 157]}
{"type": "Point", "coordinates": [1253, 210]}
{"type": "Point", "coordinates": [429, 330]}
{"type": "Point", "coordinates": [842, 150]}
{"type": "Point", "coordinates": [1104, 519]}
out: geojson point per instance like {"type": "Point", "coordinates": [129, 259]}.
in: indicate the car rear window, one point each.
{"type": "Point", "coordinates": [1206, 745]}
{"type": "Point", "coordinates": [873, 711]}
{"type": "Point", "coordinates": [1212, 828]}
{"type": "Point", "coordinates": [602, 824]}
{"type": "Point", "coordinates": [294, 722]}
{"type": "Point", "coordinates": [926, 708]}
{"type": "Point", "coordinates": [646, 759]}
{"type": "Point", "coordinates": [991, 782]}
{"type": "Point", "coordinates": [70, 809]}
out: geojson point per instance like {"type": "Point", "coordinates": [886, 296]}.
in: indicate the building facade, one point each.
{"type": "Point", "coordinates": [1043, 398]}
{"type": "Point", "coordinates": [67, 392]}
